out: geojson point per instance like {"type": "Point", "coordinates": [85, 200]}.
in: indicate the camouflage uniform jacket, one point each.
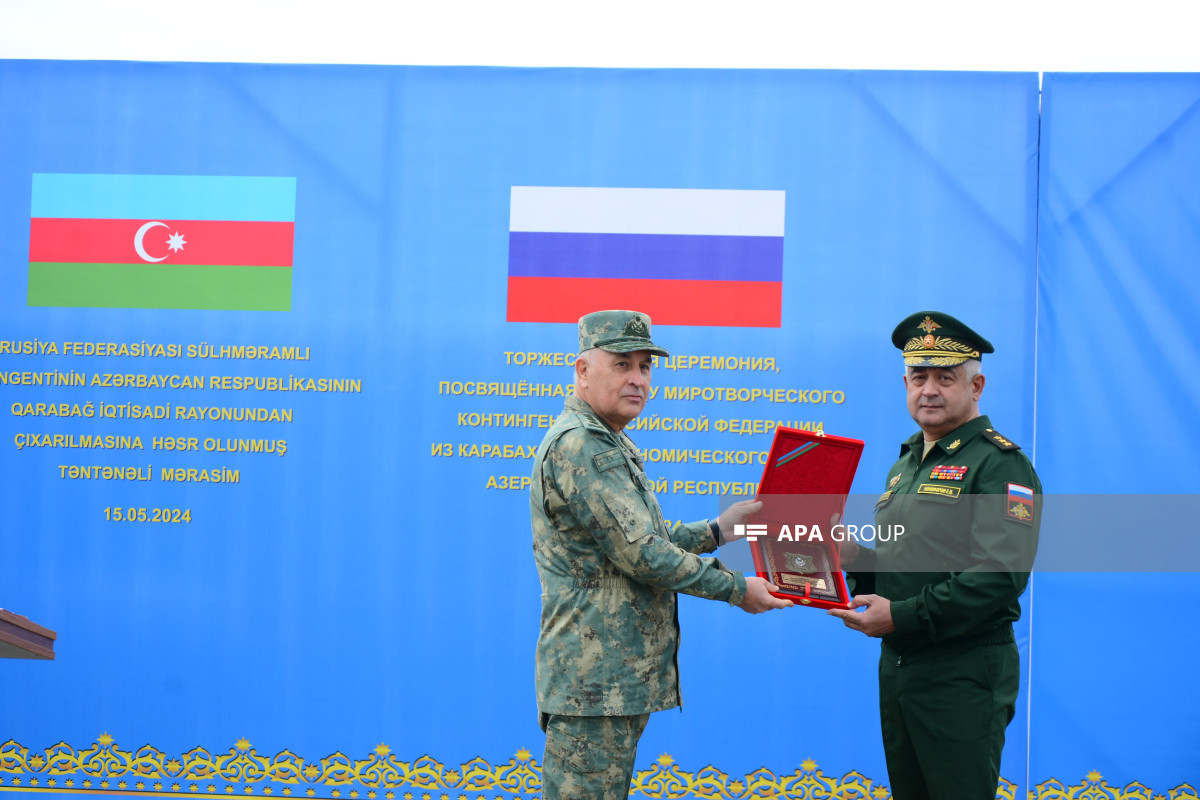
{"type": "Point", "coordinates": [609, 571]}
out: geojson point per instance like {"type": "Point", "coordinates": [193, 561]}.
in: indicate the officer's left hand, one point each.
{"type": "Point", "coordinates": [875, 621]}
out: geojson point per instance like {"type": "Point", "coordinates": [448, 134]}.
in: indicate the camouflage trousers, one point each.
{"type": "Point", "coordinates": [589, 758]}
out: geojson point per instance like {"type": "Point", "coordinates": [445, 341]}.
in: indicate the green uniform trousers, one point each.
{"type": "Point", "coordinates": [590, 758]}
{"type": "Point", "coordinates": [943, 712]}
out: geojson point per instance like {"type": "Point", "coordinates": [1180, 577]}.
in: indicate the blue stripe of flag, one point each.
{"type": "Point", "coordinates": [199, 197]}
{"type": "Point", "coordinates": [660, 256]}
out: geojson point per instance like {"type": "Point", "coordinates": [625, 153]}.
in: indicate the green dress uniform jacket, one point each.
{"type": "Point", "coordinates": [609, 571]}
{"type": "Point", "coordinates": [949, 673]}
{"type": "Point", "coordinates": [969, 538]}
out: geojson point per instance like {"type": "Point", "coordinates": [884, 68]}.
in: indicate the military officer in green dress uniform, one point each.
{"type": "Point", "coordinates": [943, 595]}
{"type": "Point", "coordinates": [607, 653]}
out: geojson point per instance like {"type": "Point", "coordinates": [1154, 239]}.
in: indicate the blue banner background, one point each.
{"type": "Point", "coordinates": [1117, 358]}
{"type": "Point", "coordinates": [361, 590]}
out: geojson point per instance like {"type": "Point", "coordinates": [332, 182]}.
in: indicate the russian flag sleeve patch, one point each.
{"type": "Point", "coordinates": [1020, 503]}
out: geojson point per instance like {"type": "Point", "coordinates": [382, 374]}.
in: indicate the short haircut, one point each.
{"type": "Point", "coordinates": [971, 368]}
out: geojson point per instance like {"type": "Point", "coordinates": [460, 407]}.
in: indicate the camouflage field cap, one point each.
{"type": "Point", "coordinates": [617, 332]}
{"type": "Point", "coordinates": [934, 339]}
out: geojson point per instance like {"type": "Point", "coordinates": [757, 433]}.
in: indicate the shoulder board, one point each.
{"type": "Point", "coordinates": [1002, 442]}
{"type": "Point", "coordinates": [566, 424]}
{"type": "Point", "coordinates": [573, 420]}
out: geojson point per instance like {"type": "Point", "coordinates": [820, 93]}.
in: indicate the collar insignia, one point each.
{"type": "Point", "coordinates": [892, 483]}
{"type": "Point", "coordinates": [954, 444]}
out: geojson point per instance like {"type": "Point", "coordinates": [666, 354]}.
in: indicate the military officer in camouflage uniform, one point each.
{"type": "Point", "coordinates": [607, 654]}
{"type": "Point", "coordinates": [944, 594]}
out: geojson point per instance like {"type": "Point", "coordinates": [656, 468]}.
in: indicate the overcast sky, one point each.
{"type": "Point", "coordinates": [1150, 35]}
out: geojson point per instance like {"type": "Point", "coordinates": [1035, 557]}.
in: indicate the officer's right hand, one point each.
{"type": "Point", "coordinates": [758, 596]}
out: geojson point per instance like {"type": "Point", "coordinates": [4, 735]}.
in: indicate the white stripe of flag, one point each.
{"type": "Point", "coordinates": [704, 212]}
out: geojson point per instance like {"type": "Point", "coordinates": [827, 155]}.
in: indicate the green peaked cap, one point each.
{"type": "Point", "coordinates": [934, 339]}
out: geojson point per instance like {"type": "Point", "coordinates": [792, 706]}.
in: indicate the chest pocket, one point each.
{"type": "Point", "coordinates": [637, 512]}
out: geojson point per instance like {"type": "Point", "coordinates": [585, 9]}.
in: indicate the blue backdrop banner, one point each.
{"type": "Point", "coordinates": [267, 448]}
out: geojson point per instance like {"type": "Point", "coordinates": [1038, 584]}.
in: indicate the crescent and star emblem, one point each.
{"type": "Point", "coordinates": [175, 241]}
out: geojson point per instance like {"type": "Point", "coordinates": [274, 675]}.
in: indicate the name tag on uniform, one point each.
{"type": "Point", "coordinates": [939, 489]}
{"type": "Point", "coordinates": [608, 459]}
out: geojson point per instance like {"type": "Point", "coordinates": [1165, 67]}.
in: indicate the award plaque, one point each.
{"type": "Point", "coordinates": [792, 540]}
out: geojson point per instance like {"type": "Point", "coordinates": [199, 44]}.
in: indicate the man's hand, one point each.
{"type": "Point", "coordinates": [875, 621]}
{"type": "Point", "coordinates": [737, 514]}
{"type": "Point", "coordinates": [758, 596]}
{"type": "Point", "coordinates": [847, 548]}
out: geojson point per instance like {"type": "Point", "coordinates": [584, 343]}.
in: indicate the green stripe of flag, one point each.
{"type": "Point", "coordinates": [157, 286]}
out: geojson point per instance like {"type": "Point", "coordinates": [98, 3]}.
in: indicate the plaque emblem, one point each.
{"type": "Point", "coordinates": [799, 562]}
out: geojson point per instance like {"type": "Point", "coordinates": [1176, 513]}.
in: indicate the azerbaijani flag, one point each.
{"type": "Point", "coordinates": [683, 256]}
{"type": "Point", "coordinates": [162, 241]}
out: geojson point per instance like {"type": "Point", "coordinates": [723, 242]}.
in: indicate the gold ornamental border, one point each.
{"type": "Point", "coordinates": [104, 768]}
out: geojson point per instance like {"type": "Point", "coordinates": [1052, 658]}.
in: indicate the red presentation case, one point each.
{"type": "Point", "coordinates": [805, 482]}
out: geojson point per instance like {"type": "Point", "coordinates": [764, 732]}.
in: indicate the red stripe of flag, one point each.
{"type": "Point", "coordinates": [111, 241]}
{"type": "Point", "coordinates": [753, 304]}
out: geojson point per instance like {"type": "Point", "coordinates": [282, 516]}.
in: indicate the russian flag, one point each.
{"type": "Point", "coordinates": [683, 256]}
{"type": "Point", "coordinates": [1019, 493]}
{"type": "Point", "coordinates": [161, 241]}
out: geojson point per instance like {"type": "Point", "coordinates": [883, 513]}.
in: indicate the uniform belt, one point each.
{"type": "Point", "coordinates": [1000, 635]}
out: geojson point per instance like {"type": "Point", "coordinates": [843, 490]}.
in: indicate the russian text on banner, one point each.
{"type": "Point", "coordinates": [162, 241]}
{"type": "Point", "coordinates": [683, 256]}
